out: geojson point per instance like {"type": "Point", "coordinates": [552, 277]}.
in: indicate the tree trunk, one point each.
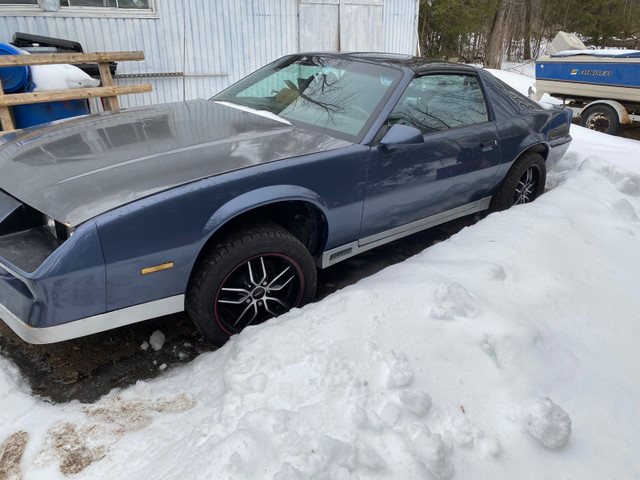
{"type": "Point", "coordinates": [493, 57]}
{"type": "Point", "coordinates": [510, 33]}
{"type": "Point", "coordinates": [527, 30]}
{"type": "Point", "coordinates": [474, 52]}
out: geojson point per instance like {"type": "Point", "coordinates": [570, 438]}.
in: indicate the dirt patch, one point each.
{"type": "Point", "coordinates": [87, 368]}
{"type": "Point", "coordinates": [135, 415]}
{"type": "Point", "coordinates": [68, 442]}
{"type": "Point", "coordinates": [631, 131]}
{"type": "Point", "coordinates": [11, 452]}
{"type": "Point", "coordinates": [75, 447]}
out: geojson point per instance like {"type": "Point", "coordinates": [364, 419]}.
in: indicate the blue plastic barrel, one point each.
{"type": "Point", "coordinates": [13, 78]}
{"type": "Point", "coordinates": [36, 113]}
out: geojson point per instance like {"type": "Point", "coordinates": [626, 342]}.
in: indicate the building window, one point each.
{"type": "Point", "coordinates": [80, 8]}
{"type": "Point", "coordinates": [86, 3]}
{"type": "Point", "coordinates": [106, 3]}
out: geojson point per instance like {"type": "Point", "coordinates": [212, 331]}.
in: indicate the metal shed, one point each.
{"type": "Point", "coordinates": [195, 48]}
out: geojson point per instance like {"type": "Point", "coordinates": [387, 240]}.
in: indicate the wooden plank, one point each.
{"type": "Point", "coordinates": [108, 90]}
{"type": "Point", "coordinates": [78, 93]}
{"type": "Point", "coordinates": [110, 103]}
{"type": "Point", "coordinates": [57, 58]}
{"type": "Point", "coordinates": [5, 116]}
{"type": "Point", "coordinates": [6, 120]}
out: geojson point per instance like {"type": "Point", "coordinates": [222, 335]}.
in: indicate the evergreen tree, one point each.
{"type": "Point", "coordinates": [516, 29]}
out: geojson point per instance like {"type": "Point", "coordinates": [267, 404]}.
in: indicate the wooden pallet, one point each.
{"type": "Point", "coordinates": [108, 91]}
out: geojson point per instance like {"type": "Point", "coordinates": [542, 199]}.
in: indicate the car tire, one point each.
{"type": "Point", "coordinates": [255, 274]}
{"type": "Point", "coordinates": [601, 118]}
{"type": "Point", "coordinates": [524, 182]}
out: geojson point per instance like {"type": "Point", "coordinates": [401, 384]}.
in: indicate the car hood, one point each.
{"type": "Point", "coordinates": [77, 169]}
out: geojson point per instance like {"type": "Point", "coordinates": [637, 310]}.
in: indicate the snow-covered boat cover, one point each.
{"type": "Point", "coordinates": [606, 52]}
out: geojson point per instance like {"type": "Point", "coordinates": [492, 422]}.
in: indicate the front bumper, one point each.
{"type": "Point", "coordinates": [93, 324]}
{"type": "Point", "coordinates": [45, 285]}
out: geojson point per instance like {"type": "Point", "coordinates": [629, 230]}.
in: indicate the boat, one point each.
{"type": "Point", "coordinates": [578, 72]}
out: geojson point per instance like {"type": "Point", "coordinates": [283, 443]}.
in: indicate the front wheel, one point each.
{"type": "Point", "coordinates": [524, 182]}
{"type": "Point", "coordinates": [256, 274]}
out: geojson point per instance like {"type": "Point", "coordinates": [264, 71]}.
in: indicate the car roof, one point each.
{"type": "Point", "coordinates": [419, 65]}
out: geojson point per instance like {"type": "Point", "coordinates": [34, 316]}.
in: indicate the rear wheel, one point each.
{"type": "Point", "coordinates": [256, 274]}
{"type": "Point", "coordinates": [601, 118]}
{"type": "Point", "coordinates": [523, 184]}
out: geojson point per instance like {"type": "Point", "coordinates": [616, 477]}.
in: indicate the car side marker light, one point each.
{"type": "Point", "coordinates": [156, 268]}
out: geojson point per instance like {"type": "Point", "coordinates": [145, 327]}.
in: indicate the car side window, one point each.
{"type": "Point", "coordinates": [433, 103]}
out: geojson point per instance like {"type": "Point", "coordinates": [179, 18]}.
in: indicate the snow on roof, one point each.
{"type": "Point", "coordinates": [610, 52]}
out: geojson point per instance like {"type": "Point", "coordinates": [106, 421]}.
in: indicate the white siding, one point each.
{"type": "Point", "coordinates": [400, 26]}
{"type": "Point", "coordinates": [319, 27]}
{"type": "Point", "coordinates": [227, 39]}
{"type": "Point", "coordinates": [361, 27]}
{"type": "Point", "coordinates": [207, 44]}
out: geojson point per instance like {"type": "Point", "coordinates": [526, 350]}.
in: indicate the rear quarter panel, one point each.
{"type": "Point", "coordinates": [521, 128]}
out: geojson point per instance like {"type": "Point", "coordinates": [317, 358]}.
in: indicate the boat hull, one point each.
{"type": "Point", "coordinates": [590, 76]}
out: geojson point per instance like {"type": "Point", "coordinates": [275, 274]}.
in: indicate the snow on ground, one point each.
{"type": "Point", "coordinates": [507, 351]}
{"type": "Point", "coordinates": [521, 77]}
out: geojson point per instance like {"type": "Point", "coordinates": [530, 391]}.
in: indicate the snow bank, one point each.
{"type": "Point", "coordinates": [507, 351]}
{"type": "Point", "coordinates": [522, 78]}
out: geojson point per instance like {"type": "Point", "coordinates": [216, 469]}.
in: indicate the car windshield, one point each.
{"type": "Point", "coordinates": [338, 96]}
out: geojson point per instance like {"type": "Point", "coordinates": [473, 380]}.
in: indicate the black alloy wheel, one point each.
{"type": "Point", "coordinates": [527, 187]}
{"type": "Point", "coordinates": [524, 182]}
{"type": "Point", "coordinates": [256, 273]}
{"type": "Point", "coordinates": [260, 288]}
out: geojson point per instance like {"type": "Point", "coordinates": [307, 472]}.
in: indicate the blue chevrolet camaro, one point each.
{"type": "Point", "coordinates": [226, 207]}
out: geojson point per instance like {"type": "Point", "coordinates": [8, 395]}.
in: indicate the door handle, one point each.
{"type": "Point", "coordinates": [488, 144]}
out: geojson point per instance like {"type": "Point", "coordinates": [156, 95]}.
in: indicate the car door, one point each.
{"type": "Point", "coordinates": [453, 167]}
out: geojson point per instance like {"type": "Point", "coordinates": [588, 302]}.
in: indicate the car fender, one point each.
{"type": "Point", "coordinates": [258, 198]}
{"type": "Point", "coordinates": [535, 141]}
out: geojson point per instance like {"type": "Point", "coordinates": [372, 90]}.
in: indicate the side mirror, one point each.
{"type": "Point", "coordinates": [402, 135]}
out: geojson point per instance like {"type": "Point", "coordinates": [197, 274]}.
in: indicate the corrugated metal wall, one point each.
{"type": "Point", "coordinates": [213, 43]}
{"type": "Point", "coordinates": [400, 26]}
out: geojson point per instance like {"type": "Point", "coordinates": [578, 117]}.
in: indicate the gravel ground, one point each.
{"type": "Point", "coordinates": [86, 368]}
{"type": "Point", "coordinates": [630, 131]}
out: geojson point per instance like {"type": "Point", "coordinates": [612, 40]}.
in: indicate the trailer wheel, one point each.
{"type": "Point", "coordinates": [601, 118]}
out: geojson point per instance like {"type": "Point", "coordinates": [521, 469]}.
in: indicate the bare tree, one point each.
{"type": "Point", "coordinates": [493, 56]}
{"type": "Point", "coordinates": [527, 30]}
